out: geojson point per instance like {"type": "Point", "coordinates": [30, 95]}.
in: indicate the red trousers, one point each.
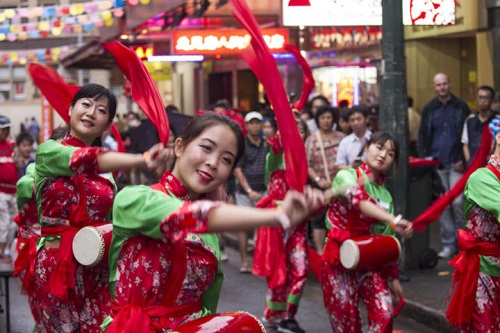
{"type": "Point", "coordinates": [282, 302]}
{"type": "Point", "coordinates": [86, 306]}
{"type": "Point", "coordinates": [342, 290]}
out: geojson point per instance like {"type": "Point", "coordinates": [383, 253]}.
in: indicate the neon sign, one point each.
{"type": "Point", "coordinates": [224, 41]}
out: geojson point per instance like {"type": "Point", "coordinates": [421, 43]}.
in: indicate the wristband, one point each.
{"type": "Point", "coordinates": [145, 156]}
{"type": "Point", "coordinates": [282, 218]}
{"type": "Point", "coordinates": [317, 179]}
{"type": "Point", "coordinates": [396, 221]}
{"type": "Point", "coordinates": [249, 191]}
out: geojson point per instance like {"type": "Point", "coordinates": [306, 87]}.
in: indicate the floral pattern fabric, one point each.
{"type": "Point", "coordinates": [59, 188]}
{"type": "Point", "coordinates": [315, 158]}
{"type": "Point", "coordinates": [342, 288]}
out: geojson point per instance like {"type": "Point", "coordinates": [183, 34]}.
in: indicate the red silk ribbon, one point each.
{"type": "Point", "coordinates": [264, 67]}
{"type": "Point", "coordinates": [308, 84]}
{"type": "Point", "coordinates": [467, 264]}
{"type": "Point", "coordinates": [59, 94]}
{"type": "Point", "coordinates": [335, 237]}
{"type": "Point", "coordinates": [144, 91]}
{"type": "Point", "coordinates": [432, 213]}
{"type": "Point", "coordinates": [25, 263]}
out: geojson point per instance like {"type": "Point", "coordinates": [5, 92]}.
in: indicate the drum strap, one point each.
{"type": "Point", "coordinates": [63, 277]}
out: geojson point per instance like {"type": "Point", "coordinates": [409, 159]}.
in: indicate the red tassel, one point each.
{"type": "Point", "coordinates": [308, 85]}
{"type": "Point", "coordinates": [262, 63]}
{"type": "Point", "coordinates": [144, 91]}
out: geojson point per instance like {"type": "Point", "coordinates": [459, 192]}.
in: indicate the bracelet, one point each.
{"type": "Point", "coordinates": [317, 179]}
{"type": "Point", "coordinates": [145, 156]}
{"type": "Point", "coordinates": [282, 218]}
{"type": "Point", "coordinates": [396, 221]}
{"type": "Point", "coordinates": [249, 191]}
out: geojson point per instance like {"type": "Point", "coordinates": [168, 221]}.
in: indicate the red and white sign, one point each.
{"type": "Point", "coordinates": [429, 12]}
{"type": "Point", "coordinates": [330, 13]}
{"type": "Point", "coordinates": [47, 119]}
{"type": "Point", "coordinates": [232, 41]}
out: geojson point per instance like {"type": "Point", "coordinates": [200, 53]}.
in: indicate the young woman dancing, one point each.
{"type": "Point", "coordinates": [164, 256]}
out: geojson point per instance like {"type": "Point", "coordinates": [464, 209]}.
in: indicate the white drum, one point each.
{"type": "Point", "coordinates": [91, 244]}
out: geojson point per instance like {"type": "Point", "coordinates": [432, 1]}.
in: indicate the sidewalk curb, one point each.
{"type": "Point", "coordinates": [427, 316]}
{"type": "Point", "coordinates": [430, 317]}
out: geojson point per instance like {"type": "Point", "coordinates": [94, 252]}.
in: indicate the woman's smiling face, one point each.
{"type": "Point", "coordinates": [207, 161]}
{"type": "Point", "coordinates": [89, 118]}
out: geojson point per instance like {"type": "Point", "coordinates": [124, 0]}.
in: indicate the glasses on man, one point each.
{"type": "Point", "coordinates": [483, 98]}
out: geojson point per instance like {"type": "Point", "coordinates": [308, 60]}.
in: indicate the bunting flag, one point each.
{"type": "Point", "coordinates": [308, 85]}
{"type": "Point", "coordinates": [60, 94]}
{"type": "Point", "coordinates": [433, 213]}
{"type": "Point", "coordinates": [144, 91]}
{"type": "Point", "coordinates": [263, 65]}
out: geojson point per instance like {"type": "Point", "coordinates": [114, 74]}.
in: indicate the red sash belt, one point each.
{"type": "Point", "coordinates": [63, 277]}
{"type": "Point", "coordinates": [335, 237]}
{"type": "Point", "coordinates": [130, 318]}
{"type": "Point", "coordinates": [25, 261]}
{"type": "Point", "coordinates": [467, 264]}
{"type": "Point", "coordinates": [271, 264]}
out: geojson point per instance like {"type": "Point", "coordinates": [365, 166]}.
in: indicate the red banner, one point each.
{"type": "Point", "coordinates": [47, 119]}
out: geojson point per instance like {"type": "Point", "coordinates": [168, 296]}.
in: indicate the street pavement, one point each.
{"type": "Point", "coordinates": [426, 294]}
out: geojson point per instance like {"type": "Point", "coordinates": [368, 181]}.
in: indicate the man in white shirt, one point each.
{"type": "Point", "coordinates": [350, 153]}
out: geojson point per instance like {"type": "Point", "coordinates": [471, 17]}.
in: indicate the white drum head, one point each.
{"type": "Point", "coordinates": [349, 254]}
{"type": "Point", "coordinates": [88, 246]}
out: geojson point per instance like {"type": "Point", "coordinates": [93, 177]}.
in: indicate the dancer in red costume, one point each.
{"type": "Point", "coordinates": [29, 230]}
{"type": "Point", "coordinates": [73, 191]}
{"type": "Point", "coordinates": [285, 267]}
{"type": "Point", "coordinates": [164, 265]}
{"type": "Point", "coordinates": [365, 202]}
{"type": "Point", "coordinates": [474, 305]}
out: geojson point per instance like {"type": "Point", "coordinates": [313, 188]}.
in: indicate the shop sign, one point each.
{"type": "Point", "coordinates": [47, 119]}
{"type": "Point", "coordinates": [324, 38]}
{"type": "Point", "coordinates": [232, 41]}
{"type": "Point", "coordinates": [365, 12]}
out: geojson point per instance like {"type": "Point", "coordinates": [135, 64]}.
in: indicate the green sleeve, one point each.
{"type": "Point", "coordinates": [482, 189]}
{"type": "Point", "coordinates": [344, 179]}
{"type": "Point", "coordinates": [210, 298]}
{"type": "Point", "coordinates": [52, 159]}
{"type": "Point", "coordinates": [24, 186]}
{"type": "Point", "coordinates": [273, 162]}
{"type": "Point", "coordinates": [140, 210]}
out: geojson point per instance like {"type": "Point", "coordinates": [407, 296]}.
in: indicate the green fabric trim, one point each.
{"type": "Point", "coordinates": [276, 306]}
{"type": "Point", "coordinates": [273, 163]}
{"type": "Point", "coordinates": [210, 298]}
{"type": "Point", "coordinates": [489, 267]}
{"type": "Point", "coordinates": [482, 189]}
{"type": "Point", "coordinates": [293, 299]}
{"type": "Point", "coordinates": [382, 196]}
{"type": "Point", "coordinates": [24, 186]}
{"type": "Point", "coordinates": [138, 210]}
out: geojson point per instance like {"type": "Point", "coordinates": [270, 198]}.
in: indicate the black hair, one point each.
{"type": "Point", "coordinates": [410, 101]}
{"type": "Point", "coordinates": [96, 91]}
{"type": "Point", "coordinates": [273, 122]}
{"type": "Point", "coordinates": [200, 123]}
{"type": "Point", "coordinates": [357, 109]}
{"type": "Point", "coordinates": [382, 138]}
{"type": "Point", "coordinates": [324, 109]}
{"type": "Point", "coordinates": [24, 136]}
{"type": "Point", "coordinates": [488, 88]}
{"type": "Point", "coordinates": [59, 132]}
{"type": "Point", "coordinates": [322, 98]}
{"type": "Point", "coordinates": [344, 103]}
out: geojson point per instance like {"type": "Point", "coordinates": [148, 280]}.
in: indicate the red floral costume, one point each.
{"type": "Point", "coordinates": [160, 269]}
{"type": "Point", "coordinates": [280, 256]}
{"type": "Point", "coordinates": [342, 288]}
{"type": "Point", "coordinates": [29, 232]}
{"type": "Point", "coordinates": [474, 305]}
{"type": "Point", "coordinates": [70, 194]}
